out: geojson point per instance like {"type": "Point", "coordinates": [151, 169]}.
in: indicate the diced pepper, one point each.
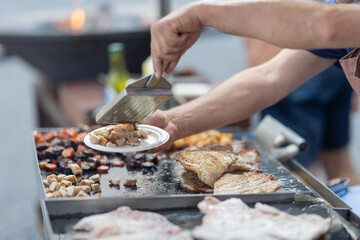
{"type": "Point", "coordinates": [80, 148]}
{"type": "Point", "coordinates": [50, 136]}
{"type": "Point", "coordinates": [103, 168]}
{"type": "Point", "coordinates": [36, 134]}
{"type": "Point", "coordinates": [118, 163]}
{"type": "Point", "coordinates": [68, 152]}
{"type": "Point", "coordinates": [41, 139]}
{"type": "Point", "coordinates": [71, 132]}
{"type": "Point", "coordinates": [80, 137]}
{"type": "Point", "coordinates": [50, 167]}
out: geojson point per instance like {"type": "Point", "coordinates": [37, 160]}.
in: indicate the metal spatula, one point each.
{"type": "Point", "coordinates": [137, 101]}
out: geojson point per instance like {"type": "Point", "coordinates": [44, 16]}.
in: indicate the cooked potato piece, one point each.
{"type": "Point", "coordinates": [120, 142]}
{"type": "Point", "coordinates": [51, 178]}
{"type": "Point", "coordinates": [115, 181]}
{"type": "Point", "coordinates": [130, 182]}
{"type": "Point", "coordinates": [96, 187]}
{"type": "Point", "coordinates": [53, 186]}
{"type": "Point", "coordinates": [60, 177]}
{"type": "Point", "coordinates": [70, 178]}
{"type": "Point", "coordinates": [102, 141]}
{"type": "Point", "coordinates": [95, 178]}
{"type": "Point", "coordinates": [73, 191]}
{"type": "Point", "coordinates": [110, 144]}
{"type": "Point", "coordinates": [46, 183]}
{"type": "Point", "coordinates": [82, 194]}
{"type": "Point", "coordinates": [63, 192]}
{"type": "Point", "coordinates": [86, 189]}
{"type": "Point", "coordinates": [86, 182]}
{"type": "Point", "coordinates": [66, 183]}
{"type": "Point", "coordinates": [75, 168]}
{"type": "Point", "coordinates": [116, 135]}
{"type": "Point", "coordinates": [94, 138]}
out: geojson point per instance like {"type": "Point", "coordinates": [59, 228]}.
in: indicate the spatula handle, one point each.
{"type": "Point", "coordinates": [153, 81]}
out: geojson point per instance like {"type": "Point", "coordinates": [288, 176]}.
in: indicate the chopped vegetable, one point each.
{"type": "Point", "coordinates": [50, 167]}
{"type": "Point", "coordinates": [103, 168]}
{"type": "Point", "coordinates": [68, 152]}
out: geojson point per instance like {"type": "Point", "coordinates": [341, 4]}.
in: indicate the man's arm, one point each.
{"type": "Point", "coordinates": [287, 24]}
{"type": "Point", "coordinates": [243, 94]}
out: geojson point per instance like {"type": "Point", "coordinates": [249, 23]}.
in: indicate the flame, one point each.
{"type": "Point", "coordinates": [77, 19]}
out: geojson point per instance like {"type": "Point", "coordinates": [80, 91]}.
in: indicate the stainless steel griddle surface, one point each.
{"type": "Point", "coordinates": [190, 217]}
{"type": "Point", "coordinates": [166, 180]}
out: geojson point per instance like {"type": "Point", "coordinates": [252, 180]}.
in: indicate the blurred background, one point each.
{"type": "Point", "coordinates": [54, 64]}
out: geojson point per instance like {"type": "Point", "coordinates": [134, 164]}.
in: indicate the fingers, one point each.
{"type": "Point", "coordinates": [171, 37]}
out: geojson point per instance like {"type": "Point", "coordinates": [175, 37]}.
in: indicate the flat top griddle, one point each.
{"type": "Point", "coordinates": [161, 191]}
{"type": "Point", "coordinates": [165, 180]}
{"type": "Point", "coordinates": [188, 216]}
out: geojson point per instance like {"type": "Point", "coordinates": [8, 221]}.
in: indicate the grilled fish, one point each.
{"type": "Point", "coordinates": [248, 182]}
{"type": "Point", "coordinates": [191, 181]}
{"type": "Point", "coordinates": [248, 160]}
{"type": "Point", "coordinates": [209, 165]}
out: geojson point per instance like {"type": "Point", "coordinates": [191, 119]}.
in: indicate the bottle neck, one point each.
{"type": "Point", "coordinates": [117, 61]}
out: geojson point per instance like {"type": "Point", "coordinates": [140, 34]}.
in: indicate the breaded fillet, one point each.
{"type": "Point", "coordinates": [209, 165]}
{"type": "Point", "coordinates": [248, 160]}
{"type": "Point", "coordinates": [191, 181]}
{"type": "Point", "coordinates": [248, 182]}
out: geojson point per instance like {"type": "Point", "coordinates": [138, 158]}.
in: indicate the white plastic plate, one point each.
{"type": "Point", "coordinates": [156, 138]}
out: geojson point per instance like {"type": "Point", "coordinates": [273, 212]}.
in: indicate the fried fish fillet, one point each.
{"type": "Point", "coordinates": [248, 160]}
{"type": "Point", "coordinates": [247, 182]}
{"type": "Point", "coordinates": [233, 219]}
{"type": "Point", "coordinates": [209, 165]}
{"type": "Point", "coordinates": [191, 181]}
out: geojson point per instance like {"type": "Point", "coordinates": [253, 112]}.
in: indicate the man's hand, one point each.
{"type": "Point", "coordinates": [172, 36]}
{"type": "Point", "coordinates": [162, 120]}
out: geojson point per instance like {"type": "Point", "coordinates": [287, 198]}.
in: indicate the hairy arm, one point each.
{"type": "Point", "coordinates": [285, 23]}
{"type": "Point", "coordinates": [245, 93]}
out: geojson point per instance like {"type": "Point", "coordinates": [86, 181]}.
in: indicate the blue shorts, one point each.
{"type": "Point", "coordinates": [319, 112]}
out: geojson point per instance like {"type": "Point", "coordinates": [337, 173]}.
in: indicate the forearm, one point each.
{"type": "Point", "coordinates": [237, 98]}
{"type": "Point", "coordinates": [289, 24]}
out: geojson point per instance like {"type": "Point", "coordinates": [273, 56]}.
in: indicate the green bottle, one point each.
{"type": "Point", "coordinates": [118, 74]}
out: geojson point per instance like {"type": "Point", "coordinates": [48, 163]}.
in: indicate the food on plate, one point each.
{"type": "Point", "coordinates": [57, 186]}
{"type": "Point", "coordinates": [246, 182]}
{"type": "Point", "coordinates": [119, 135]}
{"type": "Point", "coordinates": [248, 160]}
{"type": "Point", "coordinates": [191, 181]}
{"type": "Point", "coordinates": [124, 223]}
{"type": "Point", "coordinates": [209, 165]}
{"type": "Point", "coordinates": [210, 137]}
{"type": "Point", "coordinates": [233, 219]}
